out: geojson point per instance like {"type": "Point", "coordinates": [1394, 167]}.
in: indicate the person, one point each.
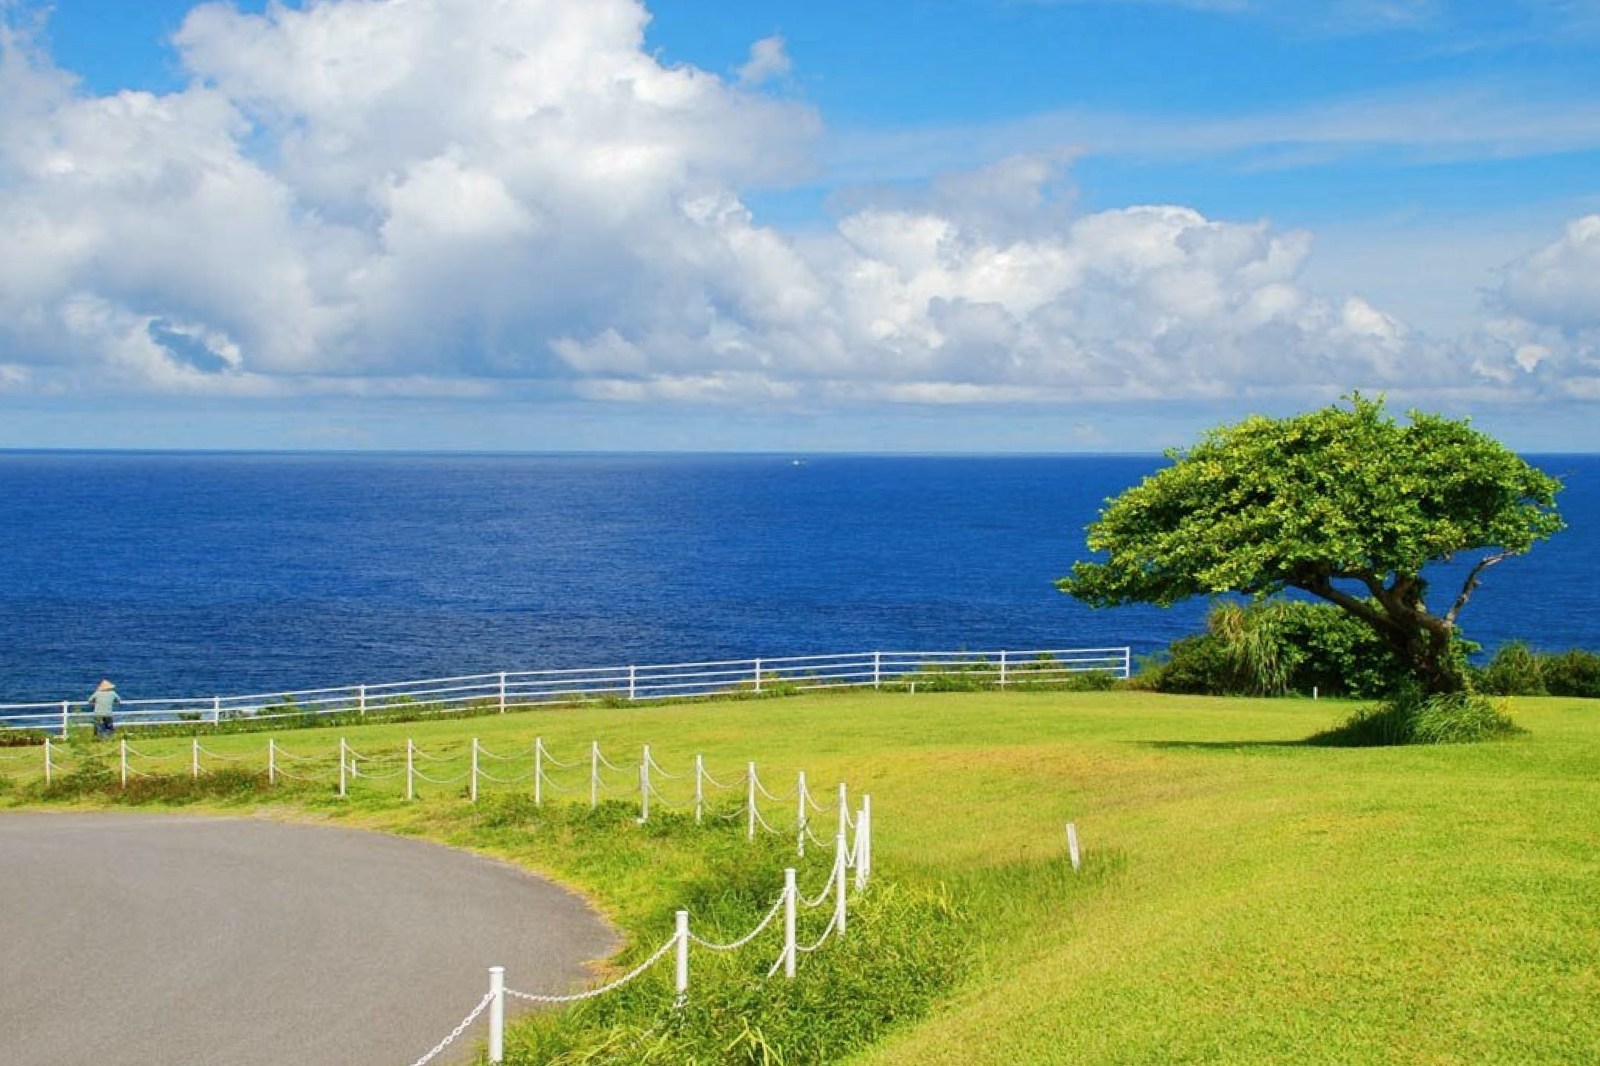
{"type": "Point", "coordinates": [104, 699]}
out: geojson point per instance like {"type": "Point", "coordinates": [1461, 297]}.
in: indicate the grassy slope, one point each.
{"type": "Point", "coordinates": [1249, 901]}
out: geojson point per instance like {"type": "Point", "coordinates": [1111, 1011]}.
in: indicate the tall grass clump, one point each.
{"type": "Point", "coordinates": [1411, 718]}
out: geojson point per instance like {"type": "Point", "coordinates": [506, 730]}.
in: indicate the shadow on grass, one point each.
{"type": "Point", "coordinates": [1222, 745]}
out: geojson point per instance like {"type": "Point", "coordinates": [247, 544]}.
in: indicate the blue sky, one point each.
{"type": "Point", "coordinates": [965, 225]}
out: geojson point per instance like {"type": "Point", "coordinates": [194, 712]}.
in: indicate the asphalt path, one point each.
{"type": "Point", "coordinates": [136, 940]}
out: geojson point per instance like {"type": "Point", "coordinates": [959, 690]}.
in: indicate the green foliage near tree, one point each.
{"type": "Point", "coordinates": [1344, 503]}
{"type": "Point", "coordinates": [1277, 647]}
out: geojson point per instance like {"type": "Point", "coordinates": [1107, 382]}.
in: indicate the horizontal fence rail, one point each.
{"type": "Point", "coordinates": [528, 689]}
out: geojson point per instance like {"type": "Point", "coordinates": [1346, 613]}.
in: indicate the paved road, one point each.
{"type": "Point", "coordinates": [134, 940]}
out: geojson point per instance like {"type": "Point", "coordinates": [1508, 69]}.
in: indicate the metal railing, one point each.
{"type": "Point", "coordinates": [522, 690]}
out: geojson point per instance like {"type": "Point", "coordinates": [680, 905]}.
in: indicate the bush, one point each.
{"type": "Point", "coordinates": [1409, 718]}
{"type": "Point", "coordinates": [1515, 670]}
{"type": "Point", "coordinates": [1572, 673]}
{"type": "Point", "coordinates": [1275, 647]}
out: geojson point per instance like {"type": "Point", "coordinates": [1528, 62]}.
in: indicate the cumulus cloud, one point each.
{"type": "Point", "coordinates": [473, 197]}
{"type": "Point", "coordinates": [1547, 330]}
{"type": "Point", "coordinates": [768, 59]}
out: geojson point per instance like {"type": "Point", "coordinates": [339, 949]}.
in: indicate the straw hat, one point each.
{"type": "Point", "coordinates": [105, 686]}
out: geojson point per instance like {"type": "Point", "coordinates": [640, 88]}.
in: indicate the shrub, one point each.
{"type": "Point", "coordinates": [1409, 718]}
{"type": "Point", "coordinates": [1572, 673]}
{"type": "Point", "coordinates": [1274, 647]}
{"type": "Point", "coordinates": [1515, 670]}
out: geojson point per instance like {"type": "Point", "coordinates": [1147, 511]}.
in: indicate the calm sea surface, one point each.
{"type": "Point", "coordinates": [199, 574]}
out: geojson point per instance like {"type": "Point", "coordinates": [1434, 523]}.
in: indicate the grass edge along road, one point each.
{"type": "Point", "coordinates": [1249, 899]}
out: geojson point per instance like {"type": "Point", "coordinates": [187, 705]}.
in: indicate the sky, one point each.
{"type": "Point", "coordinates": [706, 225]}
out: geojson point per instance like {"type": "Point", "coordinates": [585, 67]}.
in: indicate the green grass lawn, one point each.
{"type": "Point", "coordinates": [1247, 899]}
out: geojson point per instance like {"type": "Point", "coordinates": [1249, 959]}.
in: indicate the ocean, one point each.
{"type": "Point", "coordinates": [200, 574]}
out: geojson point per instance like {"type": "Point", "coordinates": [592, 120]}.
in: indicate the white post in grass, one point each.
{"type": "Point", "coordinates": [844, 809]}
{"type": "Point", "coordinates": [66, 711]}
{"type": "Point", "coordinates": [538, 771]}
{"type": "Point", "coordinates": [344, 785]}
{"type": "Point", "coordinates": [361, 700]}
{"type": "Point", "coordinates": [758, 677]}
{"type": "Point", "coordinates": [124, 747]}
{"type": "Point", "coordinates": [800, 815]}
{"type": "Point", "coordinates": [644, 792]}
{"type": "Point", "coordinates": [411, 769]}
{"type": "Point", "coordinates": [750, 801]}
{"type": "Point", "coordinates": [272, 761]}
{"type": "Point", "coordinates": [473, 789]}
{"type": "Point", "coordinates": [864, 844]}
{"type": "Point", "coordinates": [1002, 669]}
{"type": "Point", "coordinates": [877, 669]}
{"type": "Point", "coordinates": [633, 679]}
{"type": "Point", "coordinates": [839, 860]}
{"type": "Point", "coordinates": [594, 774]}
{"type": "Point", "coordinates": [194, 759]}
{"type": "Point", "coordinates": [216, 710]}
{"type": "Point", "coordinates": [497, 1014]}
{"type": "Point", "coordinates": [1072, 844]}
{"type": "Point", "coordinates": [681, 971]}
{"type": "Point", "coordinates": [502, 693]}
{"type": "Point", "coordinates": [699, 787]}
{"type": "Point", "coordinates": [790, 895]}
{"type": "Point", "coordinates": [49, 771]}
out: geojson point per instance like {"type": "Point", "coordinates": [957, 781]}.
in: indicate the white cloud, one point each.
{"type": "Point", "coordinates": [388, 197]}
{"type": "Point", "coordinates": [1547, 335]}
{"type": "Point", "coordinates": [768, 60]}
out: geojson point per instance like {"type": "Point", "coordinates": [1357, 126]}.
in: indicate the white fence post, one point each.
{"type": "Point", "coordinates": [49, 771]}
{"type": "Point", "coordinates": [699, 787]}
{"type": "Point", "coordinates": [1072, 844]}
{"type": "Point", "coordinates": [750, 802]}
{"type": "Point", "coordinates": [66, 712]}
{"type": "Point", "coordinates": [272, 761]}
{"type": "Point", "coordinates": [361, 700]}
{"type": "Point", "coordinates": [194, 759]}
{"type": "Point", "coordinates": [497, 1014]}
{"type": "Point", "coordinates": [877, 669]}
{"type": "Point", "coordinates": [344, 788]}
{"type": "Point", "coordinates": [124, 747]}
{"type": "Point", "coordinates": [800, 815]}
{"type": "Point", "coordinates": [594, 774]}
{"type": "Point", "coordinates": [1127, 663]}
{"type": "Point", "coordinates": [411, 769]}
{"type": "Point", "coordinates": [863, 846]}
{"type": "Point", "coordinates": [216, 710]}
{"type": "Point", "coordinates": [839, 857]}
{"type": "Point", "coordinates": [790, 895]}
{"type": "Point", "coordinates": [502, 693]}
{"type": "Point", "coordinates": [1002, 669]}
{"type": "Point", "coordinates": [644, 792]}
{"type": "Point", "coordinates": [681, 974]}
{"type": "Point", "coordinates": [473, 790]}
{"type": "Point", "coordinates": [844, 809]}
{"type": "Point", "coordinates": [758, 677]}
{"type": "Point", "coordinates": [538, 771]}
{"type": "Point", "coordinates": [632, 681]}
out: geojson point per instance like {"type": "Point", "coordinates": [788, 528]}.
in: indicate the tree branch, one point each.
{"type": "Point", "coordinates": [1321, 586]}
{"type": "Point", "coordinates": [1471, 584]}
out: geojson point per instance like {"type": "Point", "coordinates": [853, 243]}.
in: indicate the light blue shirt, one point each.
{"type": "Point", "coordinates": [104, 700]}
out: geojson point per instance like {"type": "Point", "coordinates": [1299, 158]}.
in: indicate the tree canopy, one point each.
{"type": "Point", "coordinates": [1344, 503]}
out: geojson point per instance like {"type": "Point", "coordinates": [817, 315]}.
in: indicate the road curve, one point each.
{"type": "Point", "coordinates": [140, 940]}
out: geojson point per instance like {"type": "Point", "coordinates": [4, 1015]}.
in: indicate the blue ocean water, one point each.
{"type": "Point", "coordinates": [184, 574]}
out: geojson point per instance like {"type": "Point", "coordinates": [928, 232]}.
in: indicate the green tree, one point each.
{"type": "Point", "coordinates": [1344, 503]}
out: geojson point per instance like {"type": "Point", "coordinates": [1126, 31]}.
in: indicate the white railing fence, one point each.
{"type": "Point", "coordinates": [522, 690]}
